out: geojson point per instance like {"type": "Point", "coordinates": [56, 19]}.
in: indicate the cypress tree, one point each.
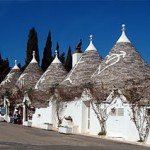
{"type": "Point", "coordinates": [1, 62]}
{"type": "Point", "coordinates": [68, 63]}
{"type": "Point", "coordinates": [62, 58]}
{"type": "Point", "coordinates": [4, 68]}
{"type": "Point", "coordinates": [47, 54]}
{"type": "Point", "coordinates": [19, 65]}
{"type": "Point", "coordinates": [1, 68]}
{"type": "Point", "coordinates": [0, 57]}
{"type": "Point", "coordinates": [32, 45]}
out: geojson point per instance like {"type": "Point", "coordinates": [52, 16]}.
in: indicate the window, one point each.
{"type": "Point", "coordinates": [117, 111]}
{"type": "Point", "coordinates": [120, 111]}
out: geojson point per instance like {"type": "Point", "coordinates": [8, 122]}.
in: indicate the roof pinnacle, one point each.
{"type": "Point", "coordinates": [91, 37]}
{"type": "Point", "coordinates": [15, 62]}
{"type": "Point", "coordinates": [56, 52]}
{"type": "Point", "coordinates": [33, 54]}
{"type": "Point", "coordinates": [123, 37]}
{"type": "Point", "coordinates": [91, 46]}
{"type": "Point", "coordinates": [123, 27]}
{"type": "Point", "coordinates": [56, 60]}
{"type": "Point", "coordinates": [15, 66]}
{"type": "Point", "coordinates": [33, 59]}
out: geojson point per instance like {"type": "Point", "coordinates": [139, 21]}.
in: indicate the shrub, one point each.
{"type": "Point", "coordinates": [102, 133]}
{"type": "Point", "coordinates": [140, 140]}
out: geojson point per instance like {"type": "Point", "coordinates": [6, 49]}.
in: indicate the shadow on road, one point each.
{"type": "Point", "coordinates": [20, 146]}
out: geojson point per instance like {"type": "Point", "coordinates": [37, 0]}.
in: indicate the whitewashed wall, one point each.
{"type": "Point", "coordinates": [94, 123]}
{"type": "Point", "coordinates": [74, 109]}
{"type": "Point", "coordinates": [148, 139]}
{"type": "Point", "coordinates": [42, 115]}
{"type": "Point", "coordinates": [120, 125]}
{"type": "Point", "coordinates": [45, 115]}
{"type": "Point", "coordinates": [78, 110]}
{"type": "Point", "coordinates": [130, 133]}
{"type": "Point", "coordinates": [117, 126]}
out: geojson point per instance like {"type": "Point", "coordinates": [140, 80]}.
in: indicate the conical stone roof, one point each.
{"type": "Point", "coordinates": [45, 86]}
{"type": "Point", "coordinates": [121, 64]}
{"type": "Point", "coordinates": [30, 75]}
{"type": "Point", "coordinates": [80, 74]}
{"type": "Point", "coordinates": [54, 74]}
{"type": "Point", "coordinates": [11, 78]}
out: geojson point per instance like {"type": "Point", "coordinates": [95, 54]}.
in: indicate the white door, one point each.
{"type": "Point", "coordinates": [85, 117]}
{"type": "Point", "coordinates": [115, 124]}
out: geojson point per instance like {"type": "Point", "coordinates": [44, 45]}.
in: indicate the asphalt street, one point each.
{"type": "Point", "coordinates": [18, 137]}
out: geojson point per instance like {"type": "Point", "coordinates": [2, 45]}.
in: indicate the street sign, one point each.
{"type": "Point", "coordinates": [3, 110]}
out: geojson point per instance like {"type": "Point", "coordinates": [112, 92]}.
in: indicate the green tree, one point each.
{"type": "Point", "coordinates": [4, 68]}
{"type": "Point", "coordinates": [47, 54]}
{"type": "Point", "coordinates": [1, 65]}
{"type": "Point", "coordinates": [32, 45]}
{"type": "Point", "coordinates": [62, 57]}
{"type": "Point", "coordinates": [19, 65]}
{"type": "Point", "coordinates": [68, 63]}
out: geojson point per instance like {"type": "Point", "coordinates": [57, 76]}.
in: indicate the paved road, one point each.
{"type": "Point", "coordinates": [18, 137]}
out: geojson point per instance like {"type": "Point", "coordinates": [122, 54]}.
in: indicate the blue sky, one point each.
{"type": "Point", "coordinates": [70, 21]}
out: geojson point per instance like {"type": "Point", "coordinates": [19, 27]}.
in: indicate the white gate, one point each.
{"type": "Point", "coordinates": [116, 122]}
{"type": "Point", "coordinates": [85, 117]}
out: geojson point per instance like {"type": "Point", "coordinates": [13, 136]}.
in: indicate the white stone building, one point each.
{"type": "Point", "coordinates": [54, 74]}
{"type": "Point", "coordinates": [122, 64]}
{"type": "Point", "coordinates": [76, 102]}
